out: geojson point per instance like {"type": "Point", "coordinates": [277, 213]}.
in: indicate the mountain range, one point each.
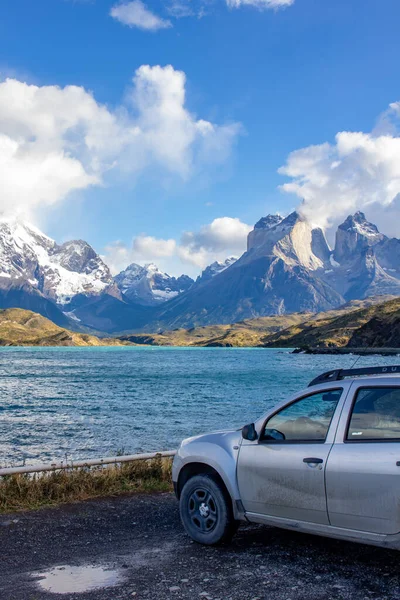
{"type": "Point", "coordinates": [288, 267]}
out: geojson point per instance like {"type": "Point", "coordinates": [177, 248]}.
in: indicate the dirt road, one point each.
{"type": "Point", "coordinates": [134, 547]}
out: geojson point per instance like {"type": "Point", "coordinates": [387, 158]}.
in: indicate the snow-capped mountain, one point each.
{"type": "Point", "coordinates": [55, 280]}
{"type": "Point", "coordinates": [59, 272]}
{"type": "Point", "coordinates": [215, 268]}
{"type": "Point", "coordinates": [149, 286]}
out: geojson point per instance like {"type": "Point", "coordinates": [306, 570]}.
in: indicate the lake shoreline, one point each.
{"type": "Point", "coordinates": [346, 350]}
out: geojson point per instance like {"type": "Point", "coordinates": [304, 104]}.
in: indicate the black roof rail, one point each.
{"type": "Point", "coordinates": [338, 374]}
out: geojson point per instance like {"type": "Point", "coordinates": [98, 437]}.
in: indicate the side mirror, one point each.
{"type": "Point", "coordinates": [249, 432]}
{"type": "Point", "coordinates": [273, 434]}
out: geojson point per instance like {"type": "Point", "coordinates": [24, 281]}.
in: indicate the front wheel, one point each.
{"type": "Point", "coordinates": [206, 511]}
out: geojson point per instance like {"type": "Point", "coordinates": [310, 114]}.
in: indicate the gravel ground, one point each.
{"type": "Point", "coordinates": [140, 543]}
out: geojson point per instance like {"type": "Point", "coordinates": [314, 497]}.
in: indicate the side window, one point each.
{"type": "Point", "coordinates": [375, 415]}
{"type": "Point", "coordinates": [305, 420]}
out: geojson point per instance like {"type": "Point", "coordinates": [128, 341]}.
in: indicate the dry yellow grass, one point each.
{"type": "Point", "coordinates": [26, 492]}
{"type": "Point", "coordinates": [19, 327]}
{"type": "Point", "coordinates": [338, 328]}
{"type": "Point", "coordinates": [242, 334]}
{"type": "Point", "coordinates": [275, 330]}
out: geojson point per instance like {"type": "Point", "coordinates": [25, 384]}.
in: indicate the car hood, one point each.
{"type": "Point", "coordinates": [222, 437]}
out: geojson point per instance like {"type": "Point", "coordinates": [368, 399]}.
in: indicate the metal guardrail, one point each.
{"type": "Point", "coordinates": [93, 462]}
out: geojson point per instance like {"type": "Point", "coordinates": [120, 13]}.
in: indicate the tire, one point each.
{"type": "Point", "coordinates": [206, 511]}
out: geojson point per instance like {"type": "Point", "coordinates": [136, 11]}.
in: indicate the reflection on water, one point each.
{"type": "Point", "coordinates": [66, 579]}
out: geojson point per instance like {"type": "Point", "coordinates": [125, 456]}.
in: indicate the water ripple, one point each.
{"type": "Point", "coordinates": [80, 402]}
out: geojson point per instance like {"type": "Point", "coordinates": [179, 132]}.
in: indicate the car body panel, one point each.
{"type": "Point", "coordinates": [274, 480]}
{"type": "Point", "coordinates": [218, 450]}
{"type": "Point", "coordinates": [362, 477]}
{"type": "Point", "coordinates": [351, 535]}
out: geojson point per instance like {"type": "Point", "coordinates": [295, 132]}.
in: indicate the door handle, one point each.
{"type": "Point", "coordinates": [315, 461]}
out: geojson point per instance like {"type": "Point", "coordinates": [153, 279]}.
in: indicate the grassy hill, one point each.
{"type": "Point", "coordinates": [372, 326]}
{"type": "Point", "coordinates": [372, 323]}
{"type": "Point", "coordinates": [332, 328]}
{"type": "Point", "coordinates": [19, 327]}
{"type": "Point", "coordinates": [245, 333]}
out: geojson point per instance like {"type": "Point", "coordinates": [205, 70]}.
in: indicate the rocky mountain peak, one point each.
{"type": "Point", "coordinates": [359, 224]}
{"type": "Point", "coordinates": [293, 239]}
{"type": "Point", "coordinates": [258, 236]}
{"type": "Point", "coordinates": [354, 235]}
{"type": "Point", "coordinates": [215, 268]}
{"type": "Point", "coordinates": [291, 220]}
{"type": "Point", "coordinates": [79, 256]}
{"type": "Point", "coordinates": [268, 221]}
{"type": "Point", "coordinates": [149, 286]}
{"type": "Point", "coordinates": [59, 272]}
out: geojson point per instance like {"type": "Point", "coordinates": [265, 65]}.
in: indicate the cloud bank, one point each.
{"type": "Point", "coordinates": [223, 237]}
{"type": "Point", "coordinates": [359, 171]}
{"type": "Point", "coordinates": [54, 141]}
{"type": "Point", "coordinates": [136, 14]}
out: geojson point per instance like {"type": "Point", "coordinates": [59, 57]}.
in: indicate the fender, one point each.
{"type": "Point", "coordinates": [217, 450]}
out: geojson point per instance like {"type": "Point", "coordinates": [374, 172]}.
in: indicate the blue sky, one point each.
{"type": "Point", "coordinates": [274, 80]}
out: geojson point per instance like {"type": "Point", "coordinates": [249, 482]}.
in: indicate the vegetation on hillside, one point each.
{"type": "Point", "coordinates": [332, 328]}
{"type": "Point", "coordinates": [19, 327]}
{"type": "Point", "coordinates": [243, 333]}
{"type": "Point", "coordinates": [376, 326]}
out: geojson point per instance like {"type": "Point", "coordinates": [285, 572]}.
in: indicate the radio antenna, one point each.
{"type": "Point", "coordinates": [355, 362]}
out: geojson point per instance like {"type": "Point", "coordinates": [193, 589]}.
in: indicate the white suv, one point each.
{"type": "Point", "coordinates": [326, 462]}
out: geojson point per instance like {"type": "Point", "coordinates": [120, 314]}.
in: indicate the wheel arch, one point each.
{"type": "Point", "coordinates": [201, 468]}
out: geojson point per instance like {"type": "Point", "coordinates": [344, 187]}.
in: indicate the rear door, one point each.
{"type": "Point", "coordinates": [363, 469]}
{"type": "Point", "coordinates": [282, 473]}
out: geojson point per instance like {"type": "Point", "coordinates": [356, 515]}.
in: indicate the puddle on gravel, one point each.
{"type": "Point", "coordinates": [66, 579]}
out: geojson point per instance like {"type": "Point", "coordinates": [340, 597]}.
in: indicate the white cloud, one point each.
{"type": "Point", "coordinates": [56, 140]}
{"type": "Point", "coordinates": [200, 8]}
{"type": "Point", "coordinates": [223, 237]}
{"type": "Point", "coordinates": [217, 240]}
{"type": "Point", "coordinates": [179, 9]}
{"type": "Point", "coordinates": [136, 14]}
{"type": "Point", "coordinates": [221, 234]}
{"type": "Point", "coordinates": [148, 246]}
{"type": "Point", "coordinates": [261, 4]}
{"type": "Point", "coordinates": [358, 171]}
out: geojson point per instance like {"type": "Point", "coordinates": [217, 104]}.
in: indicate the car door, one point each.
{"type": "Point", "coordinates": [282, 473]}
{"type": "Point", "coordinates": [363, 470]}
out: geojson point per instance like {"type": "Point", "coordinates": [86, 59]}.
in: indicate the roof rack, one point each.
{"type": "Point", "coordinates": [338, 374]}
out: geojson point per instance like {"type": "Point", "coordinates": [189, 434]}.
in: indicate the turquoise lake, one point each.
{"type": "Point", "coordinates": [89, 402]}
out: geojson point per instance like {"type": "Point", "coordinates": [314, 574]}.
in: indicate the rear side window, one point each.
{"type": "Point", "coordinates": [375, 415]}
